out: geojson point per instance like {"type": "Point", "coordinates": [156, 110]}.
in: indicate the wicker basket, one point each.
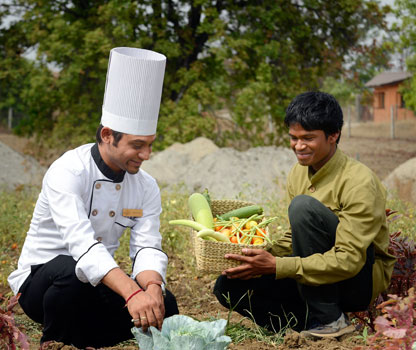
{"type": "Point", "coordinates": [209, 254]}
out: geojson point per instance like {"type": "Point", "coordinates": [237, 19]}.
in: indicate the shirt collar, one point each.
{"type": "Point", "coordinates": [334, 163]}
{"type": "Point", "coordinates": [104, 168]}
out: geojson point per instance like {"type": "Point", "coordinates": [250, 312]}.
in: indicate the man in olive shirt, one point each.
{"type": "Point", "coordinates": [335, 259]}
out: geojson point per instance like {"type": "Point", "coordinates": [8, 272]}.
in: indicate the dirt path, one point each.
{"type": "Point", "coordinates": [372, 145]}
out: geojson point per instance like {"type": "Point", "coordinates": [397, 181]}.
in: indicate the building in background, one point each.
{"type": "Point", "coordinates": [386, 95]}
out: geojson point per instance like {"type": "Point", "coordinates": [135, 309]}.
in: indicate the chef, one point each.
{"type": "Point", "coordinates": [67, 275]}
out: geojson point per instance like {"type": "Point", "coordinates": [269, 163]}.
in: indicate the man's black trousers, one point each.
{"type": "Point", "coordinates": [279, 303]}
{"type": "Point", "coordinates": [77, 313]}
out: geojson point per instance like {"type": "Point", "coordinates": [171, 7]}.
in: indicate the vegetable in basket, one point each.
{"type": "Point", "coordinates": [201, 210]}
{"type": "Point", "coordinates": [245, 225]}
{"type": "Point", "coordinates": [243, 212]}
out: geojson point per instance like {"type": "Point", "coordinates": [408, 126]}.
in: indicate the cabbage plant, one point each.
{"type": "Point", "coordinates": [181, 332]}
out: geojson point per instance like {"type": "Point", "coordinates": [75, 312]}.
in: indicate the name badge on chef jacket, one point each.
{"type": "Point", "coordinates": [132, 213]}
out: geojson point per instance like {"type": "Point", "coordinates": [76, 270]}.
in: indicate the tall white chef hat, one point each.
{"type": "Point", "coordinates": [133, 90]}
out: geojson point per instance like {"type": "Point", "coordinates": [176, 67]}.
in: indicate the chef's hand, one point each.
{"type": "Point", "coordinates": [147, 308]}
{"type": "Point", "coordinates": [255, 262]}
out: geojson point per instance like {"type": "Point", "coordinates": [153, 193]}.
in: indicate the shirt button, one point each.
{"type": "Point", "coordinates": [97, 186]}
{"type": "Point", "coordinates": [312, 189]}
{"type": "Point", "coordinates": [111, 213]}
{"type": "Point", "coordinates": [118, 187]}
{"type": "Point", "coordinates": [99, 239]}
{"type": "Point", "coordinates": [94, 212]}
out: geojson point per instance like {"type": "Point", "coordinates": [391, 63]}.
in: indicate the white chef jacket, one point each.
{"type": "Point", "coordinates": [79, 213]}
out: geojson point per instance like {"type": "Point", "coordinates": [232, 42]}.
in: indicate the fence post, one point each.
{"type": "Point", "coordinates": [392, 131]}
{"type": "Point", "coordinates": [358, 106]}
{"type": "Point", "coordinates": [349, 120]}
{"type": "Point", "coordinates": [10, 118]}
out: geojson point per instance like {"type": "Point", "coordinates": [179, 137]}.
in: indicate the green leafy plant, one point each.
{"type": "Point", "coordinates": [10, 334]}
{"type": "Point", "coordinates": [364, 335]}
{"type": "Point", "coordinates": [182, 332]}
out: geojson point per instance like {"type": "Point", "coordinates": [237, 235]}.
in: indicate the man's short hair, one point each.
{"type": "Point", "coordinates": [116, 134]}
{"type": "Point", "coordinates": [315, 110]}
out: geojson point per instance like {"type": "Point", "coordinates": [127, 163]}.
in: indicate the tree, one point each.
{"type": "Point", "coordinates": [248, 56]}
{"type": "Point", "coordinates": [13, 68]}
{"type": "Point", "coordinates": [406, 11]}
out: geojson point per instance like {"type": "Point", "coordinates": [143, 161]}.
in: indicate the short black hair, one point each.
{"type": "Point", "coordinates": [116, 134]}
{"type": "Point", "coordinates": [315, 110]}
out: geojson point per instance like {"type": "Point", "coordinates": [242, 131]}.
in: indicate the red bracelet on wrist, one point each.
{"type": "Point", "coordinates": [132, 295]}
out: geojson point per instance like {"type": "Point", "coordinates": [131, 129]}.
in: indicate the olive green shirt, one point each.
{"type": "Point", "coordinates": [355, 194]}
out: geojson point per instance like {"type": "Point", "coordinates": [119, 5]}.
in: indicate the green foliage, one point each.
{"type": "Point", "coordinates": [341, 90]}
{"type": "Point", "coordinates": [240, 332]}
{"type": "Point", "coordinates": [288, 48]}
{"type": "Point", "coordinates": [406, 11]}
{"type": "Point", "coordinates": [248, 57]}
{"type": "Point", "coordinates": [16, 212]}
{"type": "Point", "coordinates": [363, 336]}
{"type": "Point", "coordinates": [174, 205]}
{"type": "Point", "coordinates": [406, 222]}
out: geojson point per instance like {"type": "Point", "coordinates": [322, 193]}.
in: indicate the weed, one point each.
{"type": "Point", "coordinates": [10, 334]}
{"type": "Point", "coordinates": [364, 335]}
{"type": "Point", "coordinates": [240, 332]}
{"type": "Point", "coordinates": [16, 209]}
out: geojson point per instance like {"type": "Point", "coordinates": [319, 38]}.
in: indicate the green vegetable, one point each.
{"type": "Point", "coordinates": [180, 332]}
{"type": "Point", "coordinates": [209, 238]}
{"type": "Point", "coordinates": [207, 196]}
{"type": "Point", "coordinates": [212, 234]}
{"type": "Point", "coordinates": [190, 223]}
{"type": "Point", "coordinates": [201, 210]}
{"type": "Point", "coordinates": [243, 212]}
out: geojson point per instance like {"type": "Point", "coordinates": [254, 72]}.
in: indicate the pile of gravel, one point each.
{"type": "Point", "coordinates": [194, 166]}
{"type": "Point", "coordinates": [17, 169]}
{"type": "Point", "coordinates": [225, 172]}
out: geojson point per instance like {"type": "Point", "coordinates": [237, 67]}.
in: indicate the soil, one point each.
{"type": "Point", "coordinates": [371, 143]}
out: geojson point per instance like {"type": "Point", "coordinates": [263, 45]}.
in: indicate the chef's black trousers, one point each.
{"type": "Point", "coordinates": [74, 312]}
{"type": "Point", "coordinates": [279, 303]}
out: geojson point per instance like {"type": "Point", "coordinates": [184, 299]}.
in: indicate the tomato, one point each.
{"type": "Point", "coordinates": [250, 224]}
{"type": "Point", "coordinates": [257, 240]}
{"type": "Point", "coordinates": [233, 239]}
{"type": "Point", "coordinates": [226, 232]}
{"type": "Point", "coordinates": [218, 228]}
{"type": "Point", "coordinates": [261, 232]}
